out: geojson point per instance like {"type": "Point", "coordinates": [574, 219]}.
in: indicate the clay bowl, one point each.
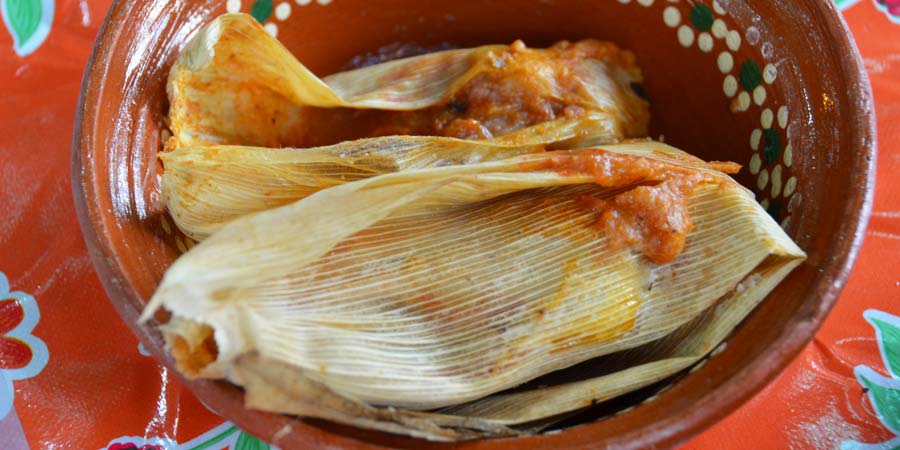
{"type": "Point", "coordinates": [776, 86]}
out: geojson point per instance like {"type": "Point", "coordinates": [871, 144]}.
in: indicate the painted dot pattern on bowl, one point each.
{"type": "Point", "coordinates": [270, 12]}
{"type": "Point", "coordinates": [747, 85]}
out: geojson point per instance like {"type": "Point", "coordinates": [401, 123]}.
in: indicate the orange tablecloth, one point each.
{"type": "Point", "coordinates": [72, 375]}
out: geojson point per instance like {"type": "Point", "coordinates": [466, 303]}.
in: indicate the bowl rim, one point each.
{"type": "Point", "coordinates": [670, 431]}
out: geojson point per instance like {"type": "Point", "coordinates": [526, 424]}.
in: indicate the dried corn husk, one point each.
{"type": "Point", "coordinates": [235, 84]}
{"type": "Point", "coordinates": [205, 187]}
{"type": "Point", "coordinates": [436, 287]}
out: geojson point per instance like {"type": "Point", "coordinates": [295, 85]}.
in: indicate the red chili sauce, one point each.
{"type": "Point", "coordinates": [518, 87]}
{"type": "Point", "coordinates": [654, 214]}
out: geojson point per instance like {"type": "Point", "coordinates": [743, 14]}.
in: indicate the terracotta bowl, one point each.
{"type": "Point", "coordinates": [776, 86]}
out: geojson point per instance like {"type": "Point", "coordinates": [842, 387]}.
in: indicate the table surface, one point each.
{"type": "Point", "coordinates": [73, 376]}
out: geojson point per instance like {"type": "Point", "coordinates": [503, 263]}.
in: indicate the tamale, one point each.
{"type": "Point", "coordinates": [205, 187]}
{"type": "Point", "coordinates": [435, 287]}
{"type": "Point", "coordinates": [235, 84]}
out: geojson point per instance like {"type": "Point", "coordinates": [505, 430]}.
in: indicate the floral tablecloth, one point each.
{"type": "Point", "coordinates": [72, 376]}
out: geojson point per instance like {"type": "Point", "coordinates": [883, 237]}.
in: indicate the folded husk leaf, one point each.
{"type": "Point", "coordinates": [437, 287]}
{"type": "Point", "coordinates": [235, 84]}
{"type": "Point", "coordinates": [205, 187]}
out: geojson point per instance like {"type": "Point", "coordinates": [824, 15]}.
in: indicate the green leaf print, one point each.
{"type": "Point", "coordinates": [884, 394]}
{"type": "Point", "coordinates": [888, 332]}
{"type": "Point", "coordinates": [213, 440]}
{"type": "Point", "coordinates": [842, 4]}
{"type": "Point", "coordinates": [28, 21]}
{"type": "Point", "coordinates": [247, 442]}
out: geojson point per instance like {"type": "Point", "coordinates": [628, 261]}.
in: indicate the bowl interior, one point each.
{"type": "Point", "coordinates": [727, 81]}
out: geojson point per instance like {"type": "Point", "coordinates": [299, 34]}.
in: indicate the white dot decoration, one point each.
{"type": "Point", "coordinates": [755, 139]}
{"type": "Point", "coordinates": [783, 117]}
{"type": "Point", "coordinates": [733, 40]}
{"type": "Point", "coordinates": [730, 86]}
{"type": "Point", "coordinates": [686, 35]}
{"type": "Point", "coordinates": [303, 2]}
{"type": "Point", "coordinates": [764, 203]}
{"type": "Point", "coordinates": [283, 11]}
{"type": "Point", "coordinates": [271, 28]}
{"type": "Point", "coordinates": [763, 179]}
{"type": "Point", "coordinates": [759, 95]}
{"type": "Point", "coordinates": [786, 223]}
{"type": "Point", "coordinates": [776, 181]}
{"type": "Point", "coordinates": [646, 2]}
{"type": "Point", "coordinates": [794, 203]}
{"type": "Point", "coordinates": [233, 6]}
{"type": "Point", "coordinates": [788, 155]}
{"type": "Point", "coordinates": [697, 367]}
{"type": "Point", "coordinates": [752, 35]}
{"type": "Point", "coordinates": [666, 388]}
{"type": "Point", "coordinates": [621, 411]}
{"type": "Point", "coordinates": [323, 2]}
{"type": "Point", "coordinates": [770, 73]}
{"type": "Point", "coordinates": [672, 17]}
{"type": "Point", "coordinates": [718, 7]}
{"type": "Point", "coordinates": [705, 42]}
{"type": "Point", "coordinates": [767, 50]}
{"type": "Point", "coordinates": [755, 164]}
{"type": "Point", "coordinates": [742, 102]}
{"type": "Point", "coordinates": [719, 30]}
{"type": "Point", "coordinates": [718, 350]}
{"type": "Point", "coordinates": [766, 118]}
{"type": "Point", "coordinates": [790, 186]}
{"type": "Point", "coordinates": [726, 62]}
{"type": "Point", "coordinates": [624, 2]}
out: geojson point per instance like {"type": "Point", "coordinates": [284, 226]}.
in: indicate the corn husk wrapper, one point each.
{"type": "Point", "coordinates": [205, 187]}
{"type": "Point", "coordinates": [439, 287]}
{"type": "Point", "coordinates": [235, 84]}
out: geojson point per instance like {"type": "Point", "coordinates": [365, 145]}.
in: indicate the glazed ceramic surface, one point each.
{"type": "Point", "coordinates": [775, 86]}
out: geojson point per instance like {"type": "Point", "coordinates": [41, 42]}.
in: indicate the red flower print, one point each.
{"type": "Point", "coordinates": [892, 6]}
{"type": "Point", "coordinates": [131, 446]}
{"type": "Point", "coordinates": [14, 354]}
{"type": "Point", "coordinates": [22, 354]}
